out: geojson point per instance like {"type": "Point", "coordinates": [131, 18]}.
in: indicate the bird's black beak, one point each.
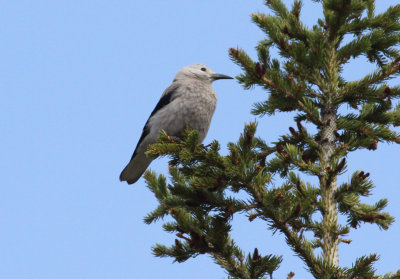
{"type": "Point", "coordinates": [220, 76]}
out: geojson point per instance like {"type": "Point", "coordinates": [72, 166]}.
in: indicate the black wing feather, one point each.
{"type": "Point", "coordinates": [165, 100]}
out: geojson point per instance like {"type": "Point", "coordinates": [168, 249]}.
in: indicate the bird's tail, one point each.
{"type": "Point", "coordinates": [136, 167]}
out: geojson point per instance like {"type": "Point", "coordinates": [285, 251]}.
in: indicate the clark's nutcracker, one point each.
{"type": "Point", "coordinates": [188, 102]}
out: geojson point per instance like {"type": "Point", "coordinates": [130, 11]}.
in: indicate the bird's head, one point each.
{"type": "Point", "coordinates": [199, 72]}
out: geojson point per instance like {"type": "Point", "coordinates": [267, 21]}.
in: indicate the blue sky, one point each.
{"type": "Point", "coordinates": [78, 81]}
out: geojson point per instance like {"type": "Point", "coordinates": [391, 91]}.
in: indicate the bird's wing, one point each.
{"type": "Point", "coordinates": [139, 161]}
{"type": "Point", "coordinates": [167, 97]}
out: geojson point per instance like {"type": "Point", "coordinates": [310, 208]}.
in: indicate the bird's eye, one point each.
{"type": "Point", "coordinates": [203, 69]}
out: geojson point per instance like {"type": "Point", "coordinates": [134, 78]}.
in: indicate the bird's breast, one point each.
{"type": "Point", "coordinates": [199, 106]}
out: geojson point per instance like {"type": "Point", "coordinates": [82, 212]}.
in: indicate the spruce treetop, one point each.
{"type": "Point", "coordinates": [306, 79]}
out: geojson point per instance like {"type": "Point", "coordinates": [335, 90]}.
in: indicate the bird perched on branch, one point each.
{"type": "Point", "coordinates": [189, 102]}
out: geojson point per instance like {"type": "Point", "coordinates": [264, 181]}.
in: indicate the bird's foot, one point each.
{"type": "Point", "coordinates": [173, 139]}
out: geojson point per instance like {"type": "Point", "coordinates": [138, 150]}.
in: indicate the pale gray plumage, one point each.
{"type": "Point", "coordinates": [188, 102]}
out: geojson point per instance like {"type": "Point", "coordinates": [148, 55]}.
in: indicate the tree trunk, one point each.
{"type": "Point", "coordinates": [328, 186]}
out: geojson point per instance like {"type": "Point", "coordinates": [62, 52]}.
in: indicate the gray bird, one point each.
{"type": "Point", "coordinates": [189, 102]}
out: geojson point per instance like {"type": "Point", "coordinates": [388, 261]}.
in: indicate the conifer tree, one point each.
{"type": "Point", "coordinates": [346, 116]}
